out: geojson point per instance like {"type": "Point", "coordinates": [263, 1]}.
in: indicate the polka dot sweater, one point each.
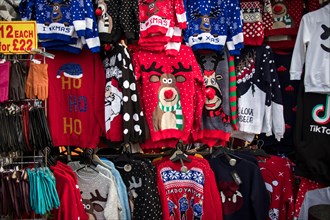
{"type": "Point", "coordinates": [124, 119]}
{"type": "Point", "coordinates": [172, 93]}
{"type": "Point", "coordinates": [257, 17]}
{"type": "Point", "coordinates": [142, 190]}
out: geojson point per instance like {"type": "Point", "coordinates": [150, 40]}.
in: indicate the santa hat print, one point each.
{"type": "Point", "coordinates": [71, 70]}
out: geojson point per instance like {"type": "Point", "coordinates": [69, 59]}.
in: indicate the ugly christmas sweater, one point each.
{"type": "Point", "coordinates": [124, 119]}
{"type": "Point", "coordinates": [172, 93]}
{"type": "Point", "coordinates": [209, 23]}
{"type": "Point", "coordinates": [257, 17]}
{"type": "Point", "coordinates": [243, 195]}
{"type": "Point", "coordinates": [217, 110]}
{"type": "Point", "coordinates": [286, 19]}
{"type": "Point", "coordinates": [260, 107]}
{"type": "Point", "coordinates": [188, 195]}
{"type": "Point", "coordinates": [76, 99]}
{"type": "Point", "coordinates": [277, 173]}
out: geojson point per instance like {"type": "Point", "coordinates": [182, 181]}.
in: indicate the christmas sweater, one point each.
{"type": "Point", "coordinates": [76, 99]}
{"type": "Point", "coordinates": [305, 185]}
{"type": "Point", "coordinates": [188, 195]}
{"type": "Point", "coordinates": [280, 182]}
{"type": "Point", "coordinates": [245, 199]}
{"type": "Point", "coordinates": [141, 186]}
{"type": "Point", "coordinates": [109, 27]}
{"type": "Point", "coordinates": [157, 16]}
{"type": "Point", "coordinates": [286, 19]}
{"type": "Point", "coordinates": [257, 17]}
{"type": "Point", "coordinates": [210, 22]}
{"type": "Point", "coordinates": [289, 90]}
{"type": "Point", "coordinates": [312, 135]}
{"type": "Point", "coordinates": [260, 107]}
{"type": "Point", "coordinates": [124, 119]}
{"type": "Point", "coordinates": [314, 33]}
{"type": "Point", "coordinates": [58, 19]}
{"type": "Point", "coordinates": [129, 20]}
{"type": "Point", "coordinates": [217, 110]}
{"type": "Point", "coordinates": [172, 93]}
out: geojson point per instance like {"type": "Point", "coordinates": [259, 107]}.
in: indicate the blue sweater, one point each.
{"type": "Point", "coordinates": [211, 22]}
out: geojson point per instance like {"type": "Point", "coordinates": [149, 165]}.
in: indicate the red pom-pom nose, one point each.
{"type": "Point", "coordinates": [210, 93]}
{"type": "Point", "coordinates": [278, 8]}
{"type": "Point", "coordinates": [168, 94]}
{"type": "Point", "coordinates": [98, 12]}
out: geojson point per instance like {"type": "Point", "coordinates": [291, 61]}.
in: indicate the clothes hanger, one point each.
{"type": "Point", "coordinates": [223, 151]}
{"type": "Point", "coordinates": [86, 159]}
{"type": "Point", "coordinates": [97, 160]}
{"type": "Point", "coordinates": [179, 155]}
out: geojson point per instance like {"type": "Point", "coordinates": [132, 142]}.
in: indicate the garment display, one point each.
{"type": "Point", "coordinates": [164, 109]}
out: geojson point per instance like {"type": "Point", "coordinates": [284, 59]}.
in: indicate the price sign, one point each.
{"type": "Point", "coordinates": [15, 36]}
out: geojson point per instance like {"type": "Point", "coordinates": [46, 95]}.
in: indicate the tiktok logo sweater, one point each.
{"type": "Point", "coordinates": [76, 99]}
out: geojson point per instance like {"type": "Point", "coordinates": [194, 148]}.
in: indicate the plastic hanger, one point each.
{"type": "Point", "coordinates": [87, 161]}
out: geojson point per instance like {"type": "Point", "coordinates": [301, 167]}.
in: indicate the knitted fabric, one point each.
{"type": "Point", "coordinates": [178, 112]}
{"type": "Point", "coordinates": [210, 22]}
{"type": "Point", "coordinates": [232, 92]}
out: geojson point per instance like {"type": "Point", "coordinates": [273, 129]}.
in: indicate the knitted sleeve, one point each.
{"type": "Point", "coordinates": [232, 93]}
{"type": "Point", "coordinates": [129, 19]}
{"type": "Point", "coordinates": [78, 17]}
{"type": "Point", "coordinates": [235, 26]}
{"type": "Point", "coordinates": [134, 127]}
{"type": "Point", "coordinates": [300, 47]}
{"type": "Point", "coordinates": [112, 206]}
{"type": "Point", "coordinates": [91, 36]}
{"type": "Point", "coordinates": [267, 16]}
{"type": "Point", "coordinates": [180, 14]}
{"type": "Point", "coordinates": [199, 98]}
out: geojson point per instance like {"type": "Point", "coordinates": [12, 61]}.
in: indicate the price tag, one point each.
{"type": "Point", "coordinates": [15, 36]}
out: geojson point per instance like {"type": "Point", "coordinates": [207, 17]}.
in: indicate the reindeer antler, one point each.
{"type": "Point", "coordinates": [152, 68]}
{"type": "Point", "coordinates": [217, 58]}
{"type": "Point", "coordinates": [98, 197]}
{"type": "Point", "coordinates": [195, 14]}
{"type": "Point", "coordinates": [215, 12]}
{"type": "Point", "coordinates": [181, 69]}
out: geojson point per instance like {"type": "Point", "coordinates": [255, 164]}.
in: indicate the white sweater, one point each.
{"type": "Point", "coordinates": [312, 48]}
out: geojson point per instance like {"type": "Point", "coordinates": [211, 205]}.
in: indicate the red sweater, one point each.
{"type": "Point", "coordinates": [193, 194]}
{"type": "Point", "coordinates": [257, 16]}
{"type": "Point", "coordinates": [279, 181]}
{"type": "Point", "coordinates": [76, 99]}
{"type": "Point", "coordinates": [172, 93]}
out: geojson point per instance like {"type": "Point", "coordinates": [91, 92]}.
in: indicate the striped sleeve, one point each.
{"type": "Point", "coordinates": [232, 92]}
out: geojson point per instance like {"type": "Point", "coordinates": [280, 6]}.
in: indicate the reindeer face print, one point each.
{"type": "Point", "coordinates": [57, 14]}
{"type": "Point", "coordinates": [205, 24]}
{"type": "Point", "coordinates": [168, 93]}
{"type": "Point", "coordinates": [213, 93]}
{"type": "Point", "coordinates": [168, 112]}
{"type": "Point", "coordinates": [324, 36]}
{"type": "Point", "coordinates": [91, 206]}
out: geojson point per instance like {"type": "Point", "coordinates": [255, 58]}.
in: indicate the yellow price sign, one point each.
{"type": "Point", "coordinates": [18, 36]}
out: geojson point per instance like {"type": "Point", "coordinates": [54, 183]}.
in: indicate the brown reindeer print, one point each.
{"type": "Point", "coordinates": [205, 25]}
{"type": "Point", "coordinates": [168, 112]}
{"type": "Point", "coordinates": [92, 206]}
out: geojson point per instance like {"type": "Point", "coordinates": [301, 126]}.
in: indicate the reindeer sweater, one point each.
{"type": "Point", "coordinates": [217, 111]}
{"type": "Point", "coordinates": [172, 93]}
{"type": "Point", "coordinates": [209, 23]}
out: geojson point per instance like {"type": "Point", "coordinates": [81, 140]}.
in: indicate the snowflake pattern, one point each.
{"type": "Point", "coordinates": [195, 175]}
{"type": "Point", "coordinates": [67, 15]}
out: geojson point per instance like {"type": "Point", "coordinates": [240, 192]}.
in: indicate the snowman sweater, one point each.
{"type": "Point", "coordinates": [210, 22]}
{"type": "Point", "coordinates": [172, 93]}
{"type": "Point", "coordinates": [192, 194]}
